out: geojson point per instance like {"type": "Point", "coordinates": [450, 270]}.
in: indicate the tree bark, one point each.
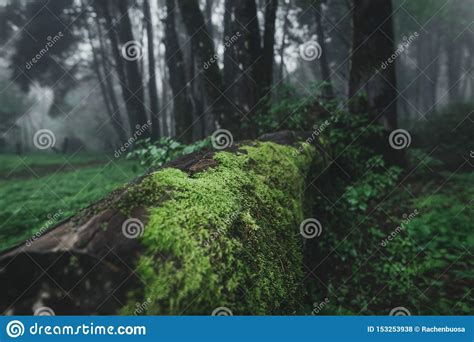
{"type": "Point", "coordinates": [108, 80]}
{"type": "Point", "coordinates": [134, 76]}
{"type": "Point", "coordinates": [203, 46]}
{"type": "Point", "coordinates": [152, 87]}
{"type": "Point", "coordinates": [372, 72]}
{"type": "Point", "coordinates": [268, 47]}
{"type": "Point", "coordinates": [372, 45]}
{"type": "Point", "coordinates": [119, 65]}
{"type": "Point", "coordinates": [177, 77]}
{"type": "Point", "coordinates": [245, 89]}
{"type": "Point", "coordinates": [116, 122]}
{"type": "Point", "coordinates": [327, 90]}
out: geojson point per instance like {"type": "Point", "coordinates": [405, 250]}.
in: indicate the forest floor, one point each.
{"type": "Point", "coordinates": [49, 189]}
{"type": "Point", "coordinates": [427, 267]}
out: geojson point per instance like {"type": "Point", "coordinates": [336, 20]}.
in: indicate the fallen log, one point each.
{"type": "Point", "coordinates": [214, 230]}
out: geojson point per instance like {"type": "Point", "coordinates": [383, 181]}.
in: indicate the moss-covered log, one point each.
{"type": "Point", "coordinates": [209, 230]}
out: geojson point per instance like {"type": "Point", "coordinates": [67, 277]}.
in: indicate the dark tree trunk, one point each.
{"type": "Point", "coordinates": [177, 77]}
{"type": "Point", "coordinates": [208, 11]}
{"type": "Point", "coordinates": [245, 43]}
{"type": "Point", "coordinates": [370, 71]}
{"type": "Point", "coordinates": [453, 71]}
{"type": "Point", "coordinates": [372, 45]}
{"type": "Point", "coordinates": [108, 80]}
{"type": "Point", "coordinates": [283, 43]}
{"type": "Point", "coordinates": [327, 90]}
{"type": "Point", "coordinates": [119, 65]}
{"type": "Point", "coordinates": [134, 77]}
{"type": "Point", "coordinates": [268, 47]}
{"type": "Point", "coordinates": [432, 72]}
{"type": "Point", "coordinates": [229, 65]}
{"type": "Point", "coordinates": [96, 65]}
{"type": "Point", "coordinates": [200, 119]}
{"type": "Point", "coordinates": [203, 46]}
{"type": "Point", "coordinates": [152, 88]}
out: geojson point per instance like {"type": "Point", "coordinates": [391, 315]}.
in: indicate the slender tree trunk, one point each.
{"type": "Point", "coordinates": [152, 87]}
{"type": "Point", "coordinates": [453, 71]}
{"type": "Point", "coordinates": [108, 80]}
{"type": "Point", "coordinates": [372, 45]}
{"type": "Point", "coordinates": [177, 77]}
{"type": "Point", "coordinates": [119, 63]}
{"type": "Point", "coordinates": [432, 72]}
{"type": "Point", "coordinates": [203, 46]}
{"type": "Point", "coordinates": [229, 65]}
{"type": "Point", "coordinates": [134, 77]}
{"type": "Point", "coordinates": [244, 40]}
{"type": "Point", "coordinates": [327, 90]}
{"type": "Point", "coordinates": [370, 70]}
{"type": "Point", "coordinates": [208, 11]}
{"type": "Point", "coordinates": [116, 122]}
{"type": "Point", "coordinates": [268, 46]}
{"type": "Point", "coordinates": [283, 42]}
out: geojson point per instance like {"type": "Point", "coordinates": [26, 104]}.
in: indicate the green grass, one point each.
{"type": "Point", "coordinates": [27, 205]}
{"type": "Point", "coordinates": [11, 164]}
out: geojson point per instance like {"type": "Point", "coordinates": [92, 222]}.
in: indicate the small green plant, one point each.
{"type": "Point", "coordinates": [293, 111]}
{"type": "Point", "coordinates": [155, 154]}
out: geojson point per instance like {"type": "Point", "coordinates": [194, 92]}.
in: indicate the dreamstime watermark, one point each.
{"type": "Point", "coordinates": [133, 228]}
{"type": "Point", "coordinates": [222, 311]}
{"type": "Point", "coordinates": [227, 222]}
{"type": "Point", "coordinates": [407, 218]}
{"type": "Point", "coordinates": [222, 139]}
{"type": "Point", "coordinates": [310, 50]}
{"type": "Point", "coordinates": [51, 41]}
{"type": "Point", "coordinates": [132, 50]}
{"type": "Point", "coordinates": [228, 42]}
{"type": "Point", "coordinates": [44, 311]}
{"type": "Point", "coordinates": [399, 139]}
{"type": "Point", "coordinates": [52, 219]}
{"type": "Point", "coordinates": [141, 308]}
{"type": "Point", "coordinates": [316, 132]}
{"type": "Point", "coordinates": [319, 307]}
{"type": "Point", "coordinates": [400, 311]}
{"type": "Point", "coordinates": [44, 139]}
{"type": "Point", "coordinates": [405, 44]}
{"type": "Point", "coordinates": [140, 129]}
{"type": "Point", "coordinates": [310, 228]}
{"type": "Point", "coordinates": [16, 328]}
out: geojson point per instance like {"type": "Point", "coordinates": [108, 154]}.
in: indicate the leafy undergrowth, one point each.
{"type": "Point", "coordinates": [225, 237]}
{"type": "Point", "coordinates": [392, 237]}
{"type": "Point", "coordinates": [36, 204]}
{"type": "Point", "coordinates": [393, 240]}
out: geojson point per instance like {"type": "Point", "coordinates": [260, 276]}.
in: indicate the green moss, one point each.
{"type": "Point", "coordinates": [228, 236]}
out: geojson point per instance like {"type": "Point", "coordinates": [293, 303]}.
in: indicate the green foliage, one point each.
{"type": "Point", "coordinates": [372, 186]}
{"type": "Point", "coordinates": [424, 266]}
{"type": "Point", "coordinates": [293, 111]}
{"type": "Point", "coordinates": [449, 134]}
{"type": "Point", "coordinates": [227, 236]}
{"type": "Point", "coordinates": [444, 230]}
{"type": "Point", "coordinates": [154, 154]}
